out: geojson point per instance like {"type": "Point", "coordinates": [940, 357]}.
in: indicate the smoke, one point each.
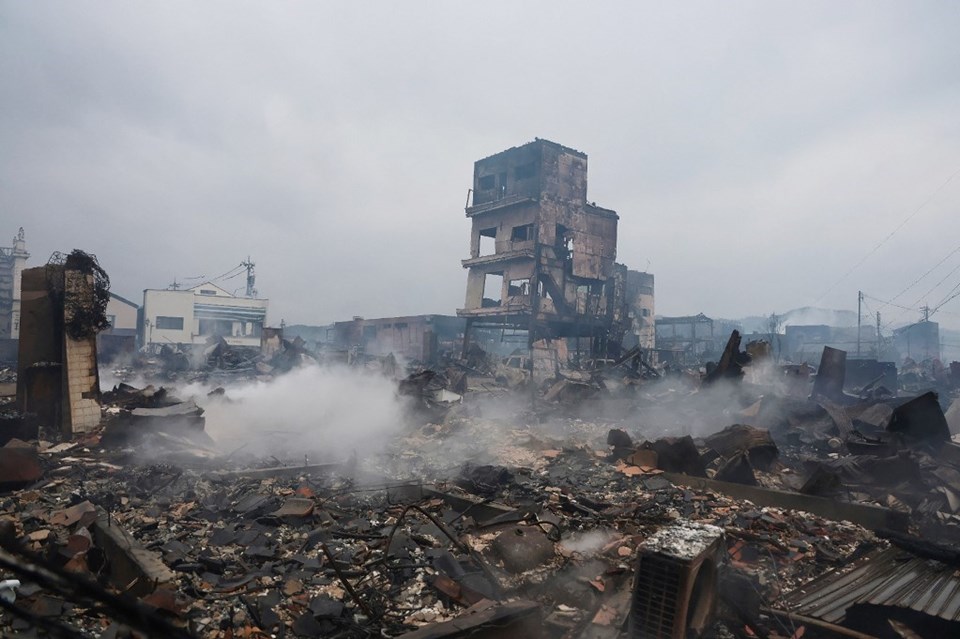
{"type": "Point", "coordinates": [323, 413]}
{"type": "Point", "coordinates": [589, 543]}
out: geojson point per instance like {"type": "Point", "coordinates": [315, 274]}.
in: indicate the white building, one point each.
{"type": "Point", "coordinates": [192, 316]}
{"type": "Point", "coordinates": [122, 315]}
{"type": "Point", "coordinates": [12, 262]}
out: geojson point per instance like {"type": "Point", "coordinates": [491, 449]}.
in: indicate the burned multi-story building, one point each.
{"type": "Point", "coordinates": [541, 255]}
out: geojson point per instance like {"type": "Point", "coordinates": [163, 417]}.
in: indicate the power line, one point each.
{"type": "Point", "coordinates": [919, 279]}
{"type": "Point", "coordinates": [238, 266]}
{"type": "Point", "coordinates": [954, 292]}
{"type": "Point", "coordinates": [888, 303]}
{"type": "Point", "coordinates": [945, 278]}
{"type": "Point", "coordinates": [892, 233]}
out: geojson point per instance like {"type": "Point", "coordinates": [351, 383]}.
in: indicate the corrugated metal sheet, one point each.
{"type": "Point", "coordinates": [890, 577]}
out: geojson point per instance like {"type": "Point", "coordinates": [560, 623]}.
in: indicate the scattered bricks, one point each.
{"type": "Point", "coordinates": [19, 466]}
{"type": "Point", "coordinates": [73, 514]}
{"type": "Point", "coordinates": [295, 508]}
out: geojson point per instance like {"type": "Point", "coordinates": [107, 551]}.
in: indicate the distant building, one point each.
{"type": "Point", "coordinates": [120, 338]}
{"type": "Point", "coordinates": [919, 341]}
{"type": "Point", "coordinates": [687, 339]}
{"type": "Point", "coordinates": [13, 259]}
{"type": "Point", "coordinates": [641, 324]}
{"type": "Point", "coordinates": [194, 315]}
{"type": "Point", "coordinates": [415, 337]}
{"type": "Point", "coordinates": [122, 315]}
{"type": "Point", "coordinates": [805, 343]}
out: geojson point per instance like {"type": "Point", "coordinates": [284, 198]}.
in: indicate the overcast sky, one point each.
{"type": "Point", "coordinates": [756, 152]}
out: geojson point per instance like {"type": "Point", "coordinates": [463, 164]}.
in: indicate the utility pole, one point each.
{"type": "Point", "coordinates": [251, 277]}
{"type": "Point", "coordinates": [878, 336]}
{"type": "Point", "coordinates": [859, 305]}
{"type": "Point", "coordinates": [175, 286]}
{"type": "Point", "coordinates": [926, 312]}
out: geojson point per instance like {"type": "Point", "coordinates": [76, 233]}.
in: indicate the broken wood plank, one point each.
{"type": "Point", "coordinates": [133, 568]}
{"type": "Point", "coordinates": [868, 516]}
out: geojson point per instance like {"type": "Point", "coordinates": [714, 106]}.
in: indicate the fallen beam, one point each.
{"type": "Point", "coordinates": [519, 619]}
{"type": "Point", "coordinates": [481, 511]}
{"type": "Point", "coordinates": [133, 568]}
{"type": "Point", "coordinates": [868, 516]}
{"type": "Point", "coordinates": [275, 471]}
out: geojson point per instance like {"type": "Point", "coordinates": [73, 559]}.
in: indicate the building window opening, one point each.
{"type": "Point", "coordinates": [522, 233]}
{"type": "Point", "coordinates": [492, 289]}
{"type": "Point", "coordinates": [486, 183]}
{"type": "Point", "coordinates": [525, 171]}
{"type": "Point", "coordinates": [207, 291]}
{"type": "Point", "coordinates": [223, 328]}
{"type": "Point", "coordinates": [542, 290]}
{"type": "Point", "coordinates": [488, 241]}
{"type": "Point", "coordinates": [564, 242]}
{"type": "Point", "coordinates": [169, 323]}
{"type": "Point", "coordinates": [519, 288]}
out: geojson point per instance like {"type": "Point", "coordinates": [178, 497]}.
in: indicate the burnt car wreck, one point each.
{"type": "Point", "coordinates": [530, 469]}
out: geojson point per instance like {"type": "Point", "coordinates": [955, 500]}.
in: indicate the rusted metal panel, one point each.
{"type": "Point", "coordinates": [891, 577]}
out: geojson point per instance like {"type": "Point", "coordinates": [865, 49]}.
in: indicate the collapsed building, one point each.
{"type": "Point", "coordinates": [543, 258]}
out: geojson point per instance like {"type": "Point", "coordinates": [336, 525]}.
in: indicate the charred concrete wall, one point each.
{"type": "Point", "coordinates": [57, 375]}
{"type": "Point", "coordinates": [82, 379]}
{"type": "Point", "coordinates": [640, 311]}
{"type": "Point", "coordinates": [549, 253]}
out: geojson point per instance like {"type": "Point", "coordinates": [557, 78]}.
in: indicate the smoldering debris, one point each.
{"type": "Point", "coordinates": [375, 499]}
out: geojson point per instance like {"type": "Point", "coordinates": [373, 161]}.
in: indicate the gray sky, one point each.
{"type": "Point", "coordinates": [754, 151]}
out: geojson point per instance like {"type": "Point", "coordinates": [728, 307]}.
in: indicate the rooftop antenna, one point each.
{"type": "Point", "coordinates": [251, 277]}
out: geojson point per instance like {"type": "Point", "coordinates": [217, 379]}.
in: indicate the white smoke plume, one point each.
{"type": "Point", "coordinates": [322, 413]}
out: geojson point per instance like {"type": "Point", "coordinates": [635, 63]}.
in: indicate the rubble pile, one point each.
{"type": "Point", "coordinates": [321, 554]}
{"type": "Point", "coordinates": [611, 501]}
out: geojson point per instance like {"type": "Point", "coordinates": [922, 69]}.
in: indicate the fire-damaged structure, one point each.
{"type": "Point", "coordinates": [64, 307]}
{"type": "Point", "coordinates": [542, 257]}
